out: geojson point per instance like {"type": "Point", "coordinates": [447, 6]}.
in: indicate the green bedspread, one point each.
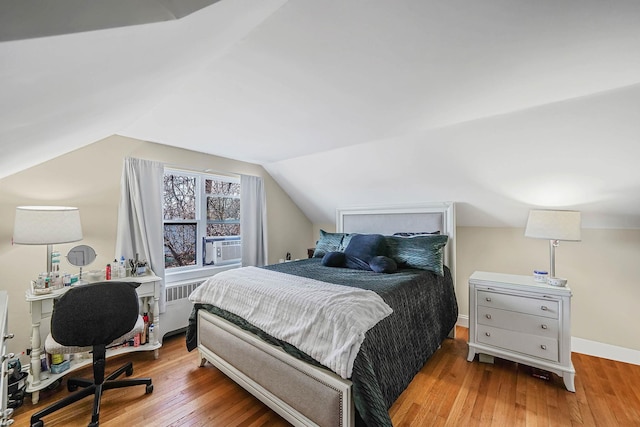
{"type": "Point", "coordinates": [424, 311]}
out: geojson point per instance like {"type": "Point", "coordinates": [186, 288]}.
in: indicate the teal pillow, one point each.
{"type": "Point", "coordinates": [425, 252]}
{"type": "Point", "coordinates": [329, 242]}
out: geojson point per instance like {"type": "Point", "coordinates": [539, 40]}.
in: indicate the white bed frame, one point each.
{"type": "Point", "coordinates": [303, 394]}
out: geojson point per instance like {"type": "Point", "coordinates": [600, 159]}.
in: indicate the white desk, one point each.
{"type": "Point", "coordinates": [6, 413]}
{"type": "Point", "coordinates": [42, 307]}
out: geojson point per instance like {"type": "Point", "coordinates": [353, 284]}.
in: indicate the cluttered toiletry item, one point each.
{"type": "Point", "coordinates": [540, 276]}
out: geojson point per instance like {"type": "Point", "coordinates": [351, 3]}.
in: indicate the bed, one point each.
{"type": "Point", "coordinates": [298, 386]}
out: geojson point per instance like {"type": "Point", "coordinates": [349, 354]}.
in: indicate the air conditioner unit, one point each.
{"type": "Point", "coordinates": [227, 251]}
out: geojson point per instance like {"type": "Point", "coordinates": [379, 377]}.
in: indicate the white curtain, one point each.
{"type": "Point", "coordinates": [253, 221]}
{"type": "Point", "coordinates": [140, 229]}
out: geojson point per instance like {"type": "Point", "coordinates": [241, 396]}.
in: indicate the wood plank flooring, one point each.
{"type": "Point", "coordinates": [448, 391]}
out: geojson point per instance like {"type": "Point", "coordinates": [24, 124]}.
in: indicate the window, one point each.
{"type": "Point", "coordinates": [201, 220]}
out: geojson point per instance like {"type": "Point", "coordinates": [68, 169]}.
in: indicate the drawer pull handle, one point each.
{"type": "Point", "coordinates": [544, 326]}
{"type": "Point", "coordinates": [488, 316]}
{"type": "Point", "coordinates": [544, 308]}
{"type": "Point", "coordinates": [488, 334]}
{"type": "Point", "coordinates": [488, 299]}
{"type": "Point", "coordinates": [544, 347]}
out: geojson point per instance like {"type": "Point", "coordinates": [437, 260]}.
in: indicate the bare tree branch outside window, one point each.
{"type": "Point", "coordinates": [181, 204]}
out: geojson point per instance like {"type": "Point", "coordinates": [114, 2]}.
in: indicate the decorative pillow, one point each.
{"type": "Point", "coordinates": [366, 246]}
{"type": "Point", "coordinates": [423, 252]}
{"type": "Point", "coordinates": [346, 240]}
{"type": "Point", "coordinates": [383, 264]}
{"type": "Point", "coordinates": [334, 259]}
{"type": "Point", "coordinates": [356, 263]}
{"type": "Point", "coordinates": [329, 242]}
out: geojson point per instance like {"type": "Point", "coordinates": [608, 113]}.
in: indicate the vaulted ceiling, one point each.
{"type": "Point", "coordinates": [498, 105]}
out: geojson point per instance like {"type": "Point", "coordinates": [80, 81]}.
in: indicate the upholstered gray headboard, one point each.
{"type": "Point", "coordinates": [423, 217]}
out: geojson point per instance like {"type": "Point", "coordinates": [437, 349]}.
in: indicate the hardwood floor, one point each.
{"type": "Point", "coordinates": [448, 391]}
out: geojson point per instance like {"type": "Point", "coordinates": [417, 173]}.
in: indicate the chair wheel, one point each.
{"type": "Point", "coordinates": [129, 372]}
{"type": "Point", "coordinates": [38, 423]}
{"type": "Point", "coordinates": [149, 389]}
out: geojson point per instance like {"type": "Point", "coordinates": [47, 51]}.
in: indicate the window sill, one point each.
{"type": "Point", "coordinates": [197, 274]}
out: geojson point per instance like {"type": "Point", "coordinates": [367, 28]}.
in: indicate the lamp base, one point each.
{"type": "Point", "coordinates": [557, 281]}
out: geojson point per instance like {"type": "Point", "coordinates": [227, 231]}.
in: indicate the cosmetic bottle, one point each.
{"type": "Point", "coordinates": [123, 267]}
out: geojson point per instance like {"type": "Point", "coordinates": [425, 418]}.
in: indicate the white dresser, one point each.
{"type": "Point", "coordinates": [516, 318]}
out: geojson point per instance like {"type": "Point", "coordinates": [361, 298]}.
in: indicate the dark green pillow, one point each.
{"type": "Point", "coordinates": [329, 242]}
{"type": "Point", "coordinates": [425, 252]}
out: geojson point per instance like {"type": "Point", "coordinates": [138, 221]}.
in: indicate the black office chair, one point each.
{"type": "Point", "coordinates": [94, 316]}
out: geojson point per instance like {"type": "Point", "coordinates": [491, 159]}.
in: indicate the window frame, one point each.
{"type": "Point", "coordinates": [199, 269]}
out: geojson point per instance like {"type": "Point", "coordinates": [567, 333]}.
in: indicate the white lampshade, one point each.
{"type": "Point", "coordinates": [46, 225]}
{"type": "Point", "coordinates": [554, 225]}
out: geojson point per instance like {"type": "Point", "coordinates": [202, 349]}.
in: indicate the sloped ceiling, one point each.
{"type": "Point", "coordinates": [25, 19]}
{"type": "Point", "coordinates": [498, 105]}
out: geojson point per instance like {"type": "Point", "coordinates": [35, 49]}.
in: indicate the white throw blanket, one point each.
{"type": "Point", "coordinates": [326, 321]}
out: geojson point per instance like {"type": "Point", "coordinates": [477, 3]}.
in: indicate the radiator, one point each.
{"type": "Point", "coordinates": [176, 317]}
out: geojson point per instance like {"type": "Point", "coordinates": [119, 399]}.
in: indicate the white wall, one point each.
{"type": "Point", "coordinates": [89, 178]}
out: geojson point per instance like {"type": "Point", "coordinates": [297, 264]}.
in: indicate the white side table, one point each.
{"type": "Point", "coordinates": [516, 318]}
{"type": "Point", "coordinates": [41, 307]}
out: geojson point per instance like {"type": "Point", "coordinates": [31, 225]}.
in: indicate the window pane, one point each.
{"type": "Point", "coordinates": [223, 209]}
{"type": "Point", "coordinates": [223, 230]}
{"type": "Point", "coordinates": [222, 188]}
{"type": "Point", "coordinates": [179, 197]}
{"type": "Point", "coordinates": [179, 245]}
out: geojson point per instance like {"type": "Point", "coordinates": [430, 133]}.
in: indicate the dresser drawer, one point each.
{"type": "Point", "coordinates": [521, 304]}
{"type": "Point", "coordinates": [519, 322]}
{"type": "Point", "coordinates": [531, 345]}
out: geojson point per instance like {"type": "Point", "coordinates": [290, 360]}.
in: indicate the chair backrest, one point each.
{"type": "Point", "coordinates": [95, 314]}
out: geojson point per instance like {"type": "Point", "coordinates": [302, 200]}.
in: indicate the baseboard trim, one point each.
{"type": "Point", "coordinates": [588, 347]}
{"type": "Point", "coordinates": [605, 351]}
{"type": "Point", "coordinates": [463, 320]}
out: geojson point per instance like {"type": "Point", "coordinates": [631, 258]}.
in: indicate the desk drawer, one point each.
{"type": "Point", "coordinates": [519, 322]}
{"type": "Point", "coordinates": [531, 345]}
{"type": "Point", "coordinates": [521, 304]}
{"type": "Point", "coordinates": [146, 289]}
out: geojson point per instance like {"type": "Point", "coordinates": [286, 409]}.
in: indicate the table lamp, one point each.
{"type": "Point", "coordinates": [555, 226]}
{"type": "Point", "coordinates": [46, 225]}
